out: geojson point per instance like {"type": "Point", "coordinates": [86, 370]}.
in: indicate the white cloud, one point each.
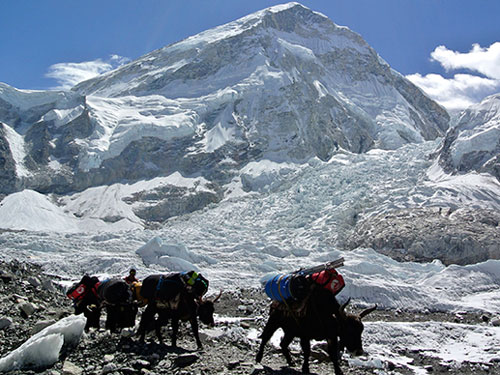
{"type": "Point", "coordinates": [68, 75]}
{"type": "Point", "coordinates": [462, 90]}
{"type": "Point", "coordinates": [483, 60]}
{"type": "Point", "coordinates": [458, 92]}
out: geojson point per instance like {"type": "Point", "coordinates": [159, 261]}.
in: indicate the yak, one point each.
{"type": "Point", "coordinates": [117, 297]}
{"type": "Point", "coordinates": [86, 301]}
{"type": "Point", "coordinates": [319, 317]}
{"type": "Point", "coordinates": [90, 295]}
{"type": "Point", "coordinates": [169, 298]}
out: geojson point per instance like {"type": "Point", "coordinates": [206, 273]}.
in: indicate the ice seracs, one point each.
{"type": "Point", "coordinates": [474, 143]}
{"type": "Point", "coordinates": [43, 349]}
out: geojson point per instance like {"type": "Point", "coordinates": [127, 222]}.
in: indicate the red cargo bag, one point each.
{"type": "Point", "coordinates": [329, 279]}
{"type": "Point", "coordinates": [76, 292]}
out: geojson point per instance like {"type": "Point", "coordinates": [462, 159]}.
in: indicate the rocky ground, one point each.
{"type": "Point", "coordinates": [31, 300]}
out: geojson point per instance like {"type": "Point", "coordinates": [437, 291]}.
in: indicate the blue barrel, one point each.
{"type": "Point", "coordinates": [278, 288]}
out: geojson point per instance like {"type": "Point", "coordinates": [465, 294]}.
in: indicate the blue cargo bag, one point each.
{"type": "Point", "coordinates": [278, 288]}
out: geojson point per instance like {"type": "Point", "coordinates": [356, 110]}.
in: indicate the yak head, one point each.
{"type": "Point", "coordinates": [351, 328]}
{"type": "Point", "coordinates": [206, 310]}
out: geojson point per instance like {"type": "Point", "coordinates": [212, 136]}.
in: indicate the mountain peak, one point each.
{"type": "Point", "coordinates": [280, 8]}
{"type": "Point", "coordinates": [242, 41]}
{"type": "Point", "coordinates": [287, 17]}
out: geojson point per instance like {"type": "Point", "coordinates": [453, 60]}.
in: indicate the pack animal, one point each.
{"type": "Point", "coordinates": [320, 318]}
{"type": "Point", "coordinates": [90, 296]}
{"type": "Point", "coordinates": [117, 297]}
{"type": "Point", "coordinates": [86, 301]}
{"type": "Point", "coordinates": [169, 299]}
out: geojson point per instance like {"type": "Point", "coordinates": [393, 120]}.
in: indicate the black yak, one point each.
{"type": "Point", "coordinates": [85, 300]}
{"type": "Point", "coordinates": [319, 317]}
{"type": "Point", "coordinates": [171, 297]}
{"type": "Point", "coordinates": [90, 296]}
{"type": "Point", "coordinates": [117, 297]}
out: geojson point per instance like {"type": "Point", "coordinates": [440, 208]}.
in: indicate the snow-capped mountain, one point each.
{"type": "Point", "coordinates": [245, 107]}
{"type": "Point", "coordinates": [474, 143]}
{"type": "Point", "coordinates": [282, 84]}
{"type": "Point", "coordinates": [275, 142]}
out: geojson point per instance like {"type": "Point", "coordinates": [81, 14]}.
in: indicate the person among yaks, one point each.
{"type": "Point", "coordinates": [131, 277]}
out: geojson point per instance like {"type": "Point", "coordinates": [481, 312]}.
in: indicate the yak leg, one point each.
{"type": "Point", "coordinates": [175, 330]}
{"type": "Point", "coordinates": [271, 326]}
{"type": "Point", "coordinates": [306, 350]}
{"type": "Point", "coordinates": [333, 351]}
{"type": "Point", "coordinates": [285, 342]}
{"type": "Point", "coordinates": [93, 316]}
{"type": "Point", "coordinates": [146, 318]}
{"type": "Point", "coordinates": [158, 325]}
{"type": "Point", "coordinates": [194, 327]}
{"type": "Point", "coordinates": [112, 318]}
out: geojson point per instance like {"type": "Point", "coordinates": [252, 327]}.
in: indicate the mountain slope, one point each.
{"type": "Point", "coordinates": [474, 143]}
{"type": "Point", "coordinates": [284, 84]}
{"type": "Point", "coordinates": [290, 62]}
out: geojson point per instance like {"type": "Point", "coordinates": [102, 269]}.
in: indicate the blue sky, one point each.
{"type": "Point", "coordinates": [450, 48]}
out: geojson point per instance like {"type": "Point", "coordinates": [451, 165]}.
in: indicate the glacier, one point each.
{"type": "Point", "coordinates": [279, 137]}
{"type": "Point", "coordinates": [301, 219]}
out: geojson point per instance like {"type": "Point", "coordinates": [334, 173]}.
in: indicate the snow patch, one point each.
{"type": "Point", "coordinates": [217, 137]}
{"type": "Point", "coordinates": [42, 350]}
{"type": "Point", "coordinates": [119, 121]}
{"type": "Point", "coordinates": [265, 174]}
{"type": "Point", "coordinates": [17, 149]}
{"type": "Point", "coordinates": [452, 342]}
{"type": "Point", "coordinates": [32, 211]}
{"type": "Point", "coordinates": [173, 256]}
{"type": "Point", "coordinates": [63, 116]}
{"type": "Point", "coordinates": [481, 189]}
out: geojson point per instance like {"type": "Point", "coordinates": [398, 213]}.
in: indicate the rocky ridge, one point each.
{"type": "Point", "coordinates": [454, 236]}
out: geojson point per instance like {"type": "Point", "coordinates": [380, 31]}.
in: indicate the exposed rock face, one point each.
{"type": "Point", "coordinates": [454, 237]}
{"type": "Point", "coordinates": [474, 143]}
{"type": "Point", "coordinates": [8, 178]}
{"type": "Point", "coordinates": [169, 201]}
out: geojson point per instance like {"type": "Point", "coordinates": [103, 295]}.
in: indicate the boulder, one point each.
{"type": "Point", "coordinates": [5, 323]}
{"type": "Point", "coordinates": [27, 309]}
{"type": "Point", "coordinates": [70, 368]}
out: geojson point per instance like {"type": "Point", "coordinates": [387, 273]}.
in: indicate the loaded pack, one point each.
{"type": "Point", "coordinates": [196, 282]}
{"type": "Point", "coordinates": [115, 291]}
{"type": "Point", "coordinates": [296, 285]}
{"type": "Point", "coordinates": [79, 290]}
{"type": "Point", "coordinates": [167, 287]}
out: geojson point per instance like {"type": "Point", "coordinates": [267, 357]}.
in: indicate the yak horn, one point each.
{"type": "Point", "coordinates": [367, 311]}
{"type": "Point", "coordinates": [342, 308]}
{"type": "Point", "coordinates": [218, 297]}
{"type": "Point", "coordinates": [341, 313]}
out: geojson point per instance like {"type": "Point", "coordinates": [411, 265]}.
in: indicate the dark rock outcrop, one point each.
{"type": "Point", "coordinates": [464, 236]}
